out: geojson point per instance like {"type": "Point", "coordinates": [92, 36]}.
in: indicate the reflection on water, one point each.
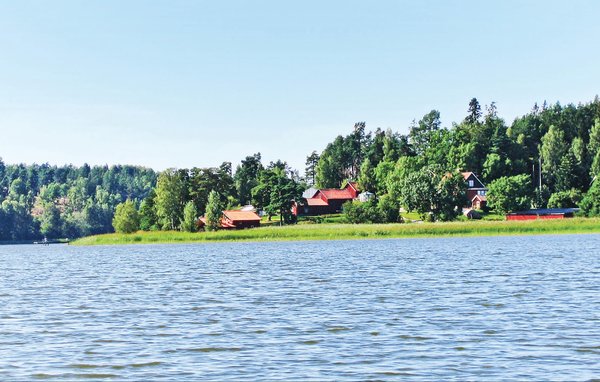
{"type": "Point", "coordinates": [419, 309]}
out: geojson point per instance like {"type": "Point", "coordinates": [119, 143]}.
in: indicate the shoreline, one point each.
{"type": "Point", "coordinates": [316, 232]}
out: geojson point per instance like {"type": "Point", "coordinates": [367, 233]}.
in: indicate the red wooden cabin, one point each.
{"type": "Point", "coordinates": [235, 219]}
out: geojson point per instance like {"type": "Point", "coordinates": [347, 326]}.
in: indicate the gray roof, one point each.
{"type": "Point", "coordinates": [309, 193]}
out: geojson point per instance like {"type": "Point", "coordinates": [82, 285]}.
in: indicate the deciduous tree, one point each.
{"type": "Point", "coordinates": [190, 217]}
{"type": "Point", "coordinates": [126, 218]}
{"type": "Point", "coordinates": [214, 212]}
{"type": "Point", "coordinates": [170, 198]}
{"type": "Point", "coordinates": [508, 194]}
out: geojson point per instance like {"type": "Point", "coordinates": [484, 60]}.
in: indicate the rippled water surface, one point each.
{"type": "Point", "coordinates": [503, 308]}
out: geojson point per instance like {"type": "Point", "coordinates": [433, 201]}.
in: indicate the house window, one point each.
{"type": "Point", "coordinates": [481, 192]}
{"type": "Point", "coordinates": [471, 183]}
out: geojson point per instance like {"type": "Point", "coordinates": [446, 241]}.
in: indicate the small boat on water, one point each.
{"type": "Point", "coordinates": [43, 242]}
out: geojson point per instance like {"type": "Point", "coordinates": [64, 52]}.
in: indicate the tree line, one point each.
{"type": "Point", "coordinates": [418, 171]}
{"type": "Point", "coordinates": [66, 201]}
{"type": "Point", "coordinates": [557, 146]}
{"type": "Point", "coordinates": [182, 195]}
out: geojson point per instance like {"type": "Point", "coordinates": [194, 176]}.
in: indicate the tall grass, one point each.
{"type": "Point", "coordinates": [355, 231]}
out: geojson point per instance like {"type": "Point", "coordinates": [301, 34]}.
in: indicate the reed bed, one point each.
{"type": "Point", "coordinates": [355, 231]}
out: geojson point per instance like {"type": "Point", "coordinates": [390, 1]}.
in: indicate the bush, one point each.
{"type": "Point", "coordinates": [313, 219]}
{"type": "Point", "coordinates": [565, 199]}
{"type": "Point", "coordinates": [390, 209]}
{"type": "Point", "coordinates": [357, 212]}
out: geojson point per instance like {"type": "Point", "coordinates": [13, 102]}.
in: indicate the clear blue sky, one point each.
{"type": "Point", "coordinates": [194, 83]}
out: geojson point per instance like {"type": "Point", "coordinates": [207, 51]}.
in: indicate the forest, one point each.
{"type": "Point", "coordinates": [555, 146]}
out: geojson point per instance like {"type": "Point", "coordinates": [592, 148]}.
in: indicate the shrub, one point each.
{"type": "Point", "coordinates": [358, 212]}
{"type": "Point", "coordinates": [565, 199]}
{"type": "Point", "coordinates": [390, 209]}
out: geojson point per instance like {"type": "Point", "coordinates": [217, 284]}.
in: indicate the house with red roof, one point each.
{"type": "Point", "coordinates": [235, 219]}
{"type": "Point", "coordinates": [326, 200]}
{"type": "Point", "coordinates": [476, 191]}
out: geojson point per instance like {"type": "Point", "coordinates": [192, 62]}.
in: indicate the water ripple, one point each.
{"type": "Point", "coordinates": [520, 308]}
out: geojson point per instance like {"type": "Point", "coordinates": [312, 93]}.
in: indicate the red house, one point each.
{"type": "Point", "coordinates": [476, 191]}
{"type": "Point", "coordinates": [235, 219]}
{"type": "Point", "coordinates": [326, 200]}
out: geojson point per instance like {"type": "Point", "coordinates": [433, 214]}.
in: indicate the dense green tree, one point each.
{"type": "Point", "coordinates": [148, 218]}
{"type": "Point", "coordinates": [421, 133]}
{"type": "Point", "coordinates": [590, 204]}
{"type": "Point", "coordinates": [594, 148]}
{"type": "Point", "coordinates": [50, 222]}
{"type": "Point", "coordinates": [334, 164]}
{"type": "Point", "coordinates": [341, 159]}
{"type": "Point", "coordinates": [565, 199]}
{"type": "Point", "coordinates": [552, 151]}
{"type": "Point", "coordinates": [474, 113]}
{"type": "Point", "coordinates": [395, 146]}
{"type": "Point", "coordinates": [16, 223]}
{"type": "Point", "coordinates": [432, 192]}
{"type": "Point", "coordinates": [246, 177]}
{"type": "Point", "coordinates": [398, 174]}
{"type": "Point", "coordinates": [367, 180]}
{"type": "Point", "coordinates": [374, 148]}
{"type": "Point", "coordinates": [310, 173]}
{"type": "Point", "coordinates": [126, 218]}
{"type": "Point", "coordinates": [495, 167]}
{"type": "Point", "coordinates": [389, 208]}
{"type": "Point", "coordinates": [276, 191]}
{"type": "Point", "coordinates": [462, 156]}
{"type": "Point", "coordinates": [214, 212]}
{"type": "Point", "coordinates": [170, 198]}
{"type": "Point", "coordinates": [440, 144]}
{"type": "Point", "coordinates": [566, 173]}
{"type": "Point", "coordinates": [190, 218]}
{"type": "Point", "coordinates": [355, 147]}
{"type": "Point", "coordinates": [382, 174]}
{"type": "Point", "coordinates": [204, 180]}
{"type": "Point", "coordinates": [508, 194]}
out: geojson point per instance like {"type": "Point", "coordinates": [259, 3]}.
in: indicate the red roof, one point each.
{"type": "Point", "coordinates": [482, 198]}
{"type": "Point", "coordinates": [316, 202]}
{"type": "Point", "coordinates": [233, 217]}
{"type": "Point", "coordinates": [237, 215]}
{"type": "Point", "coordinates": [334, 193]}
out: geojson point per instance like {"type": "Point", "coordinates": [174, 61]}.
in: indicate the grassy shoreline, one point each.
{"type": "Point", "coordinates": [354, 231]}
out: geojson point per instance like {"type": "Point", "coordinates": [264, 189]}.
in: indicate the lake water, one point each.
{"type": "Point", "coordinates": [491, 308]}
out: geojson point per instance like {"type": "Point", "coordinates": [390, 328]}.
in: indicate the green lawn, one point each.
{"type": "Point", "coordinates": [355, 231]}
